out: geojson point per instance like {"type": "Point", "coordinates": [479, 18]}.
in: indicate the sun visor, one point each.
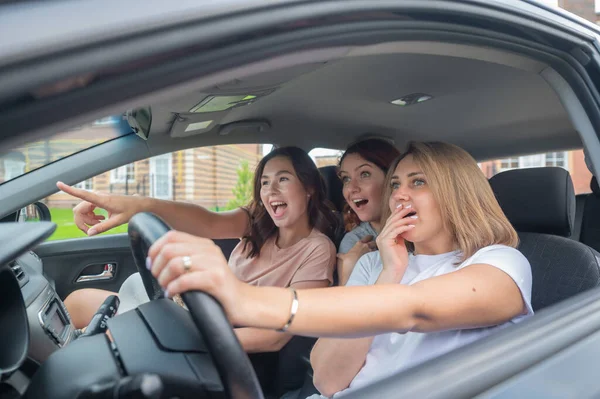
{"type": "Point", "coordinates": [190, 124]}
{"type": "Point", "coordinates": [248, 126]}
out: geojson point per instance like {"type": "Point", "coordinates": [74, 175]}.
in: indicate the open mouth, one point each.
{"type": "Point", "coordinates": [410, 214]}
{"type": "Point", "coordinates": [278, 207]}
{"type": "Point", "coordinates": [360, 202]}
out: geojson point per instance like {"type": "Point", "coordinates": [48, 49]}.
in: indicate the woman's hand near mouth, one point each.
{"type": "Point", "coordinates": [392, 248]}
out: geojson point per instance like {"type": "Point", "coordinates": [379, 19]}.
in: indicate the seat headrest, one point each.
{"type": "Point", "coordinates": [537, 200]}
{"type": "Point", "coordinates": [333, 186]}
{"type": "Point", "coordinates": [594, 186]}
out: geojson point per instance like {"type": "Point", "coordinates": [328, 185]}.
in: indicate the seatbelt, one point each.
{"type": "Point", "coordinates": [579, 207]}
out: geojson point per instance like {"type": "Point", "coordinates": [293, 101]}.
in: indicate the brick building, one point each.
{"type": "Point", "coordinates": [573, 161]}
{"type": "Point", "coordinates": [588, 9]}
{"type": "Point", "coordinates": [205, 175]}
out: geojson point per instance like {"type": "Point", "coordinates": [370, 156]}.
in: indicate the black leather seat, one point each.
{"type": "Point", "coordinates": [333, 185]}
{"type": "Point", "coordinates": [579, 205]}
{"type": "Point", "coordinates": [227, 245]}
{"type": "Point", "coordinates": [590, 221]}
{"type": "Point", "coordinates": [540, 203]}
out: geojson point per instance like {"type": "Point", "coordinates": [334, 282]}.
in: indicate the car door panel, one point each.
{"type": "Point", "coordinates": [85, 262]}
{"type": "Point", "coordinates": [555, 376]}
{"type": "Point", "coordinates": [67, 261]}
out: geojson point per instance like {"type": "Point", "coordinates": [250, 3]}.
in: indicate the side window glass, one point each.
{"type": "Point", "coordinates": [218, 178]}
{"type": "Point", "coordinates": [573, 161]}
{"type": "Point", "coordinates": [325, 156]}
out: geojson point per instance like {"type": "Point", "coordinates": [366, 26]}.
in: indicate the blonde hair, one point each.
{"type": "Point", "coordinates": [469, 209]}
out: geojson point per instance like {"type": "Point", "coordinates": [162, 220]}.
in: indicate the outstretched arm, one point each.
{"type": "Point", "coordinates": [475, 296]}
{"type": "Point", "coordinates": [190, 218]}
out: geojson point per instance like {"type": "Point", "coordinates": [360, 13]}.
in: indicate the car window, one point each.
{"type": "Point", "coordinates": [21, 160]}
{"type": "Point", "coordinates": [572, 161]}
{"type": "Point", "coordinates": [218, 178]}
{"type": "Point", "coordinates": [325, 156]}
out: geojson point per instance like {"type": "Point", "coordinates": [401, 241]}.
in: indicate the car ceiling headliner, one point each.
{"type": "Point", "coordinates": [489, 108]}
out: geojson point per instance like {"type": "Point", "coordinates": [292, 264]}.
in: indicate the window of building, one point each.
{"type": "Point", "coordinates": [123, 174]}
{"type": "Point", "coordinates": [13, 168]}
{"type": "Point", "coordinates": [509, 163]}
{"type": "Point", "coordinates": [86, 185]}
{"type": "Point", "coordinates": [535, 161]}
{"type": "Point", "coordinates": [572, 161]}
{"type": "Point", "coordinates": [325, 156]}
{"type": "Point", "coordinates": [557, 159]}
{"type": "Point", "coordinates": [532, 161]}
{"type": "Point", "coordinates": [161, 176]}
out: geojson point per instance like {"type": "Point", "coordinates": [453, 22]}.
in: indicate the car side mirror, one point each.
{"type": "Point", "coordinates": [36, 212]}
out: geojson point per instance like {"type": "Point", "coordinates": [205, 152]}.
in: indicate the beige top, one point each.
{"type": "Point", "coordinates": [310, 259]}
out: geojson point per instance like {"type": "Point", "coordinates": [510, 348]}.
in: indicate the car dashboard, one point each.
{"type": "Point", "coordinates": [41, 347]}
{"type": "Point", "coordinates": [28, 303]}
{"type": "Point", "coordinates": [50, 326]}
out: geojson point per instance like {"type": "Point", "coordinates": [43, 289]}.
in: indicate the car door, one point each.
{"type": "Point", "coordinates": [101, 262]}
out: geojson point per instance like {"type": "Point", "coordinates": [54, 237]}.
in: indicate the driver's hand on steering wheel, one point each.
{"type": "Point", "coordinates": [182, 262]}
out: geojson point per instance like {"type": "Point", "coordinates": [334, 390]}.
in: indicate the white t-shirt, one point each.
{"type": "Point", "coordinates": [391, 353]}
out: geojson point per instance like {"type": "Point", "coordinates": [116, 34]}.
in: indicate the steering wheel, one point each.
{"type": "Point", "coordinates": [140, 246]}
{"type": "Point", "coordinates": [233, 365]}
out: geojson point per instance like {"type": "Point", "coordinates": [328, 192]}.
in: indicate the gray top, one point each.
{"type": "Point", "coordinates": [352, 237]}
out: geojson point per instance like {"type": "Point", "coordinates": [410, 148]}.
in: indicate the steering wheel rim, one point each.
{"type": "Point", "coordinates": [139, 248]}
{"type": "Point", "coordinates": [233, 365]}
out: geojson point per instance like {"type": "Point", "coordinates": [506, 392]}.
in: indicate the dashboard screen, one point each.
{"type": "Point", "coordinates": [54, 320]}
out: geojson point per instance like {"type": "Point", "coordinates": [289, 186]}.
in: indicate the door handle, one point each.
{"type": "Point", "coordinates": [107, 274]}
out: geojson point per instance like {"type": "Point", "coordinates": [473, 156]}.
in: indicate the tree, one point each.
{"type": "Point", "coordinates": [243, 188]}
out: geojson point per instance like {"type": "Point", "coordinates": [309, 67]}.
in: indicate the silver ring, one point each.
{"type": "Point", "coordinates": [187, 264]}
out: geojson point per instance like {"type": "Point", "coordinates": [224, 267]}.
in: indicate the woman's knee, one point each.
{"type": "Point", "coordinates": [82, 304]}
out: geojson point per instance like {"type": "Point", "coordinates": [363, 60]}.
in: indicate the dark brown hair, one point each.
{"type": "Point", "coordinates": [377, 151]}
{"type": "Point", "coordinates": [320, 211]}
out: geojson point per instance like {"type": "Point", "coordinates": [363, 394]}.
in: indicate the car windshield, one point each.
{"type": "Point", "coordinates": [21, 160]}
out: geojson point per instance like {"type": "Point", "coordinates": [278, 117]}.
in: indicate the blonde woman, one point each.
{"type": "Point", "coordinates": [447, 273]}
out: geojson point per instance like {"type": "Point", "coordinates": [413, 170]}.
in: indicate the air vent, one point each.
{"type": "Point", "coordinates": [19, 273]}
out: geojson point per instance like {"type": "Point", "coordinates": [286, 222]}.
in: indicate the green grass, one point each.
{"type": "Point", "coordinates": [66, 225]}
{"type": "Point", "coordinates": [66, 229]}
